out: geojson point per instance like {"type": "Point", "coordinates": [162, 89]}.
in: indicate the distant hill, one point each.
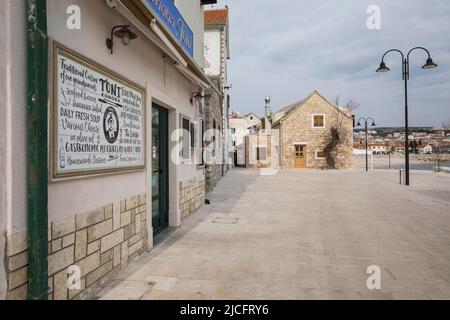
{"type": "Point", "coordinates": [387, 130]}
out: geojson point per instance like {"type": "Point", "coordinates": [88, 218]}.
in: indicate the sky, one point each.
{"type": "Point", "coordinates": [287, 49]}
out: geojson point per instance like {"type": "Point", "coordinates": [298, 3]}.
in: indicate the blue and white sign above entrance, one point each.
{"type": "Point", "coordinates": [174, 21]}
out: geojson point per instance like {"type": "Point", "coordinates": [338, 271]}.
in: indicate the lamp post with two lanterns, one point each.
{"type": "Point", "coordinates": [405, 73]}
{"type": "Point", "coordinates": [366, 129]}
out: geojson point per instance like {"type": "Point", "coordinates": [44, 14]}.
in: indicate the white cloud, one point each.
{"type": "Point", "coordinates": [288, 48]}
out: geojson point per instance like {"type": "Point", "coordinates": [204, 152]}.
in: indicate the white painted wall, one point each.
{"type": "Point", "coordinates": [212, 52]}
{"type": "Point", "coordinates": [13, 147]}
{"type": "Point", "coordinates": [140, 62]}
{"type": "Point", "coordinates": [240, 126]}
{"type": "Point", "coordinates": [4, 76]}
{"type": "Point", "coordinates": [252, 120]}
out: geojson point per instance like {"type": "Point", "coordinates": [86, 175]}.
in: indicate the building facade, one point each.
{"type": "Point", "coordinates": [217, 54]}
{"type": "Point", "coordinates": [253, 122]}
{"type": "Point", "coordinates": [214, 141]}
{"type": "Point", "coordinates": [311, 133]}
{"type": "Point", "coordinates": [238, 130]}
{"type": "Point", "coordinates": [240, 127]}
{"type": "Point", "coordinates": [112, 168]}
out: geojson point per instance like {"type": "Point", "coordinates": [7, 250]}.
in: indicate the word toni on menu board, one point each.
{"type": "Point", "coordinates": [98, 118]}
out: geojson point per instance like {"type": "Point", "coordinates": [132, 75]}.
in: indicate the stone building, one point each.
{"type": "Point", "coordinates": [99, 128]}
{"type": "Point", "coordinates": [214, 135]}
{"type": "Point", "coordinates": [311, 133]}
{"type": "Point", "coordinates": [217, 54]}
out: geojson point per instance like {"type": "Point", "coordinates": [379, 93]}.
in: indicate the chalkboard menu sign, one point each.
{"type": "Point", "coordinates": [99, 118]}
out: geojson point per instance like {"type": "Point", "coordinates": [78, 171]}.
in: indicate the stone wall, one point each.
{"type": "Point", "coordinates": [213, 113]}
{"type": "Point", "coordinates": [254, 141]}
{"type": "Point", "coordinates": [192, 196]}
{"type": "Point", "coordinates": [298, 128]}
{"type": "Point", "coordinates": [99, 242]}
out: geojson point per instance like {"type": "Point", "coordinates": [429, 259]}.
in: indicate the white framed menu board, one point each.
{"type": "Point", "coordinates": [98, 118]}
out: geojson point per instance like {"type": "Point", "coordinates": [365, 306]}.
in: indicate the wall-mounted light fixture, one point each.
{"type": "Point", "coordinates": [200, 102]}
{"type": "Point", "coordinates": [121, 32]}
{"type": "Point", "coordinates": [198, 94]}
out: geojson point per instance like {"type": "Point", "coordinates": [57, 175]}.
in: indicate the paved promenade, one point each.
{"type": "Point", "coordinates": [304, 235]}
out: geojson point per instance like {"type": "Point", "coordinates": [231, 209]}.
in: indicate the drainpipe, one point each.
{"type": "Point", "coordinates": [37, 177]}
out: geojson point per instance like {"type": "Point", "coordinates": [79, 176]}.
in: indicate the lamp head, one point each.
{"type": "Point", "coordinates": [430, 64]}
{"type": "Point", "coordinates": [126, 35]}
{"type": "Point", "coordinates": [382, 67]}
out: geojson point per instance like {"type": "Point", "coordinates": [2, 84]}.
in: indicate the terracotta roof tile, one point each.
{"type": "Point", "coordinates": [216, 17]}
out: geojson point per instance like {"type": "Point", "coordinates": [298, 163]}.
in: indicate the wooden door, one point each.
{"type": "Point", "coordinates": [300, 156]}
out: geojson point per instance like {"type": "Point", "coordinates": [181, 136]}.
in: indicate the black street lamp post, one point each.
{"type": "Point", "coordinates": [405, 73]}
{"type": "Point", "coordinates": [366, 129]}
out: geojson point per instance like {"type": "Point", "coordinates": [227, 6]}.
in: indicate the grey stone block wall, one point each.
{"type": "Point", "coordinates": [192, 196]}
{"type": "Point", "coordinates": [100, 242]}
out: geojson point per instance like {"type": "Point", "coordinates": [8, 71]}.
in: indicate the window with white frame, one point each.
{"type": "Point", "coordinates": [318, 120]}
{"type": "Point", "coordinates": [320, 154]}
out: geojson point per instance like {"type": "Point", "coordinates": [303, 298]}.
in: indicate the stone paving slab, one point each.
{"type": "Point", "coordinates": [304, 234]}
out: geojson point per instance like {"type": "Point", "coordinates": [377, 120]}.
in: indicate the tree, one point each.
{"type": "Point", "coordinates": [350, 106]}
{"type": "Point", "coordinates": [340, 133]}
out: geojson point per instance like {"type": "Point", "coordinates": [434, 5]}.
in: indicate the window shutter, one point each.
{"type": "Point", "coordinates": [186, 138]}
{"type": "Point", "coordinates": [194, 138]}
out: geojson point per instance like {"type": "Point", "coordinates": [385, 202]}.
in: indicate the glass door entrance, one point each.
{"type": "Point", "coordinates": [160, 172]}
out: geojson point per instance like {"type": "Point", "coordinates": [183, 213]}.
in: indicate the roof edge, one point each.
{"type": "Point", "coordinates": [302, 102]}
